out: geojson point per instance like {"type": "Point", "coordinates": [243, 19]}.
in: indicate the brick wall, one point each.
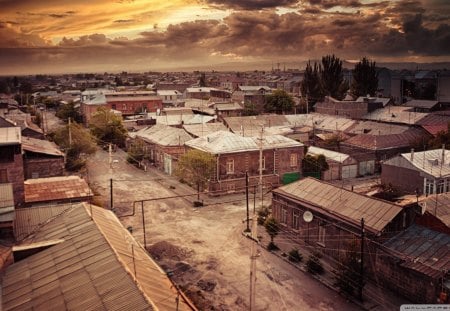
{"type": "Point", "coordinates": [15, 173]}
{"type": "Point", "coordinates": [43, 167]}
{"type": "Point", "coordinates": [402, 178]}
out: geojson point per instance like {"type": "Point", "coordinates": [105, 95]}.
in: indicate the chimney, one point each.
{"type": "Point", "coordinates": [412, 154]}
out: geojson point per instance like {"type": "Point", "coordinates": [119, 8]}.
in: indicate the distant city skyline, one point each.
{"type": "Point", "coordinates": [58, 36]}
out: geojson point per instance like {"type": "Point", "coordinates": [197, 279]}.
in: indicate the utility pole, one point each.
{"type": "Point", "coordinates": [70, 133]}
{"type": "Point", "coordinates": [110, 155]}
{"type": "Point", "coordinates": [111, 193]}
{"type": "Point", "coordinates": [361, 268]}
{"type": "Point", "coordinates": [246, 198]}
{"type": "Point", "coordinates": [260, 164]}
{"type": "Point", "coordinates": [253, 257]}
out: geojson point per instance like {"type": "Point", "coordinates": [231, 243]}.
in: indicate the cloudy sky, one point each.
{"type": "Point", "coordinates": [47, 36]}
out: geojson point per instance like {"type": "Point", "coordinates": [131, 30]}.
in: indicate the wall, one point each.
{"type": "Point", "coordinates": [14, 167]}
{"type": "Point", "coordinates": [404, 179]}
{"type": "Point", "coordinates": [44, 167]}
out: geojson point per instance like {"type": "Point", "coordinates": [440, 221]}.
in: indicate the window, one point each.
{"type": "Point", "coordinates": [295, 220]}
{"type": "Point", "coordinates": [322, 233]}
{"type": "Point", "coordinates": [230, 166]}
{"type": "Point", "coordinates": [3, 176]}
{"type": "Point", "coordinates": [113, 106]}
{"type": "Point", "coordinates": [283, 216]}
{"type": "Point", "coordinates": [429, 186]}
{"type": "Point", "coordinates": [263, 164]}
{"type": "Point", "coordinates": [440, 186]}
{"type": "Point", "coordinates": [293, 159]}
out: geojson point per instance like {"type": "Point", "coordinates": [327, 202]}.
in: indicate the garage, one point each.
{"type": "Point", "coordinates": [349, 171]}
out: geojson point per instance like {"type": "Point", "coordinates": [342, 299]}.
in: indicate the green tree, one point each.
{"type": "Point", "coordinates": [77, 142]}
{"type": "Point", "coordinates": [196, 167]}
{"type": "Point", "coordinates": [365, 78]}
{"type": "Point", "coordinates": [67, 111]}
{"type": "Point", "coordinates": [348, 277]}
{"type": "Point", "coordinates": [273, 228]}
{"type": "Point", "coordinates": [311, 87]}
{"type": "Point", "coordinates": [108, 127]}
{"type": "Point", "coordinates": [312, 163]}
{"type": "Point", "coordinates": [279, 102]}
{"type": "Point", "coordinates": [136, 151]}
{"type": "Point", "coordinates": [332, 77]}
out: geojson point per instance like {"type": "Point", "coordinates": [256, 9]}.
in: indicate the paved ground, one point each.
{"type": "Point", "coordinates": [203, 249]}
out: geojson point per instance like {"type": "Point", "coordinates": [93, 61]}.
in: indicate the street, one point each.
{"type": "Point", "coordinates": [203, 249]}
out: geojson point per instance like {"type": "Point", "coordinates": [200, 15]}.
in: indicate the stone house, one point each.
{"type": "Point", "coordinates": [236, 155]}
{"type": "Point", "coordinates": [11, 161]}
{"type": "Point", "coordinates": [426, 172]}
{"type": "Point", "coordinates": [349, 109]}
{"type": "Point", "coordinates": [163, 145]}
{"type": "Point", "coordinates": [41, 158]}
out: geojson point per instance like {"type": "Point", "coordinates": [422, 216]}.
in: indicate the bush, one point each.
{"type": "Point", "coordinates": [295, 256]}
{"type": "Point", "coordinates": [262, 215]}
{"type": "Point", "coordinates": [314, 265]}
{"type": "Point", "coordinates": [272, 247]}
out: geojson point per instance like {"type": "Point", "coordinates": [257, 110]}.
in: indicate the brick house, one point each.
{"type": "Point", "coordinates": [349, 109]}
{"type": "Point", "coordinates": [163, 145]}
{"type": "Point", "coordinates": [11, 161]}
{"type": "Point", "coordinates": [235, 155]}
{"type": "Point", "coordinates": [425, 172]}
{"type": "Point", "coordinates": [41, 158]}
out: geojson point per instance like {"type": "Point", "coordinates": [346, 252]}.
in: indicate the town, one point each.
{"type": "Point", "coordinates": [324, 187]}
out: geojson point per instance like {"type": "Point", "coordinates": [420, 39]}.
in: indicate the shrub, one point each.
{"type": "Point", "coordinates": [272, 246]}
{"type": "Point", "coordinates": [262, 215]}
{"type": "Point", "coordinates": [295, 256]}
{"type": "Point", "coordinates": [314, 265]}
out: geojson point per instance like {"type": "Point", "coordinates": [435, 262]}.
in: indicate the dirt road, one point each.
{"type": "Point", "coordinates": [203, 249]}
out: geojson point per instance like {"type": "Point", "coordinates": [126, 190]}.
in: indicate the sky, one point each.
{"type": "Point", "coordinates": [59, 36]}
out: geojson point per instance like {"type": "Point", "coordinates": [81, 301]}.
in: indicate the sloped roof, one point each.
{"type": "Point", "coordinates": [341, 203]}
{"type": "Point", "coordinates": [98, 266]}
{"type": "Point", "coordinates": [421, 103]}
{"type": "Point", "coordinates": [438, 206]}
{"type": "Point", "coordinates": [329, 154]}
{"type": "Point", "coordinates": [428, 161]}
{"type": "Point", "coordinates": [396, 114]}
{"type": "Point", "coordinates": [198, 130]}
{"type": "Point", "coordinates": [6, 202]}
{"type": "Point", "coordinates": [423, 250]}
{"type": "Point", "coordinates": [41, 146]}
{"type": "Point", "coordinates": [252, 125]}
{"type": "Point", "coordinates": [56, 188]}
{"type": "Point", "coordinates": [10, 136]}
{"type": "Point", "coordinates": [380, 142]}
{"type": "Point", "coordinates": [223, 142]}
{"type": "Point", "coordinates": [320, 121]}
{"type": "Point", "coordinates": [376, 128]}
{"type": "Point", "coordinates": [99, 99]}
{"type": "Point", "coordinates": [23, 120]}
{"type": "Point", "coordinates": [164, 135]}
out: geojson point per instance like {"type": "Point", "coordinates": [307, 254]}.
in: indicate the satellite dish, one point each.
{"type": "Point", "coordinates": [308, 216]}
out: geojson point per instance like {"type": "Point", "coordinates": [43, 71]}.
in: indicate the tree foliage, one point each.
{"type": "Point", "coordinates": [67, 111]}
{"type": "Point", "coordinates": [108, 127]}
{"type": "Point", "coordinates": [365, 78]}
{"type": "Point", "coordinates": [136, 151]}
{"type": "Point", "coordinates": [279, 102]}
{"type": "Point", "coordinates": [312, 163]}
{"type": "Point", "coordinates": [311, 86]}
{"type": "Point", "coordinates": [272, 227]}
{"type": "Point", "coordinates": [196, 167]}
{"type": "Point", "coordinates": [347, 277]}
{"type": "Point", "coordinates": [332, 77]}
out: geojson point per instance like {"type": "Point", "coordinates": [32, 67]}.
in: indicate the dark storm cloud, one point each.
{"type": "Point", "coordinates": [252, 4]}
{"type": "Point", "coordinates": [328, 4]}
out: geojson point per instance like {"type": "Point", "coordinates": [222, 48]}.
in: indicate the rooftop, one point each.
{"type": "Point", "coordinates": [341, 203]}
{"type": "Point", "coordinates": [329, 154]}
{"type": "Point", "coordinates": [164, 135]}
{"type": "Point", "coordinates": [41, 146]}
{"type": "Point", "coordinates": [10, 136]}
{"type": "Point", "coordinates": [56, 188]}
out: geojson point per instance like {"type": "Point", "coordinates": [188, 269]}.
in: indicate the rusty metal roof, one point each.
{"type": "Point", "coordinates": [438, 205]}
{"type": "Point", "coordinates": [93, 269]}
{"type": "Point", "coordinates": [41, 146]}
{"type": "Point", "coordinates": [56, 188]}
{"type": "Point", "coordinates": [423, 250]}
{"type": "Point", "coordinates": [345, 205]}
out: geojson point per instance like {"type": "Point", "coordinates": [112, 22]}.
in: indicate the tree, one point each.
{"type": "Point", "coordinates": [196, 167]}
{"type": "Point", "coordinates": [250, 109]}
{"type": "Point", "coordinates": [69, 111]}
{"type": "Point", "coordinates": [348, 277]}
{"type": "Point", "coordinates": [76, 142]}
{"type": "Point", "coordinates": [108, 127]}
{"type": "Point", "coordinates": [365, 78]}
{"type": "Point", "coordinates": [136, 151]}
{"type": "Point", "coordinates": [279, 102]}
{"type": "Point", "coordinates": [311, 86]}
{"type": "Point", "coordinates": [273, 228]}
{"type": "Point", "coordinates": [332, 77]}
{"type": "Point", "coordinates": [202, 80]}
{"type": "Point", "coordinates": [314, 163]}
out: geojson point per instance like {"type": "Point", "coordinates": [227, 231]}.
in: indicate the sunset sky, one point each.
{"type": "Point", "coordinates": [57, 36]}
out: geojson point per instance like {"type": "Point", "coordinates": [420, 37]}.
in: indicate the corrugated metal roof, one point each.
{"type": "Point", "coordinates": [199, 130]}
{"type": "Point", "coordinates": [319, 121]}
{"type": "Point", "coordinates": [252, 125]}
{"type": "Point", "coordinates": [438, 206]}
{"type": "Point", "coordinates": [10, 136]}
{"type": "Point", "coordinates": [423, 250]}
{"type": "Point", "coordinates": [344, 204]}
{"type": "Point", "coordinates": [376, 128]}
{"type": "Point", "coordinates": [223, 142]}
{"type": "Point", "coordinates": [41, 146]}
{"type": "Point", "coordinates": [93, 269]}
{"type": "Point", "coordinates": [420, 103]}
{"type": "Point", "coordinates": [56, 188]}
{"type": "Point", "coordinates": [396, 114]}
{"type": "Point", "coordinates": [430, 161]}
{"type": "Point", "coordinates": [329, 154]}
{"type": "Point", "coordinates": [6, 202]}
{"type": "Point", "coordinates": [164, 135]}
